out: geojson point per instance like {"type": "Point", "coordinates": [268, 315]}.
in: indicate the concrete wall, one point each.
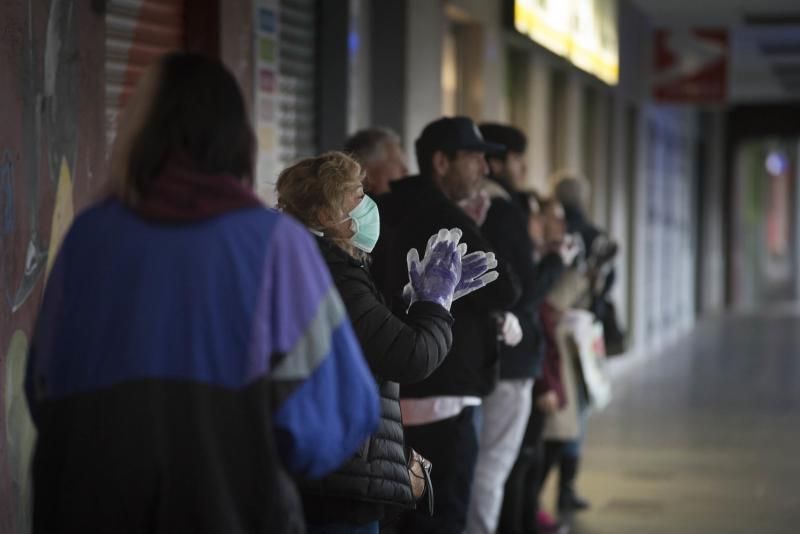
{"type": "Point", "coordinates": [359, 66]}
{"type": "Point", "coordinates": [624, 193]}
{"type": "Point", "coordinates": [573, 124]}
{"type": "Point", "coordinates": [388, 49]}
{"type": "Point", "coordinates": [538, 124]}
{"type": "Point", "coordinates": [333, 78]}
{"type": "Point", "coordinates": [486, 55]}
{"type": "Point", "coordinates": [423, 92]}
{"type": "Point", "coordinates": [481, 38]}
{"type": "Point", "coordinates": [600, 169]}
{"type": "Point", "coordinates": [236, 43]}
{"type": "Point", "coordinates": [52, 147]}
{"type": "Point", "coordinates": [711, 239]}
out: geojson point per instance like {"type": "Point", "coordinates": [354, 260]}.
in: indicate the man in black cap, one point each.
{"type": "Point", "coordinates": [441, 413]}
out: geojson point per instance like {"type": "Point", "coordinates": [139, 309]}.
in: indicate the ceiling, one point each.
{"type": "Point", "coordinates": [718, 12]}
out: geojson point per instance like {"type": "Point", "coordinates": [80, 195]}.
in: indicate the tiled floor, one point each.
{"type": "Point", "coordinates": [704, 438]}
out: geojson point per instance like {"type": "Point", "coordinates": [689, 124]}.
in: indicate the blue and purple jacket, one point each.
{"type": "Point", "coordinates": [177, 370]}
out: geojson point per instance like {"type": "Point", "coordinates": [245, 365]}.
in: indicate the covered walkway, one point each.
{"type": "Point", "coordinates": [703, 437]}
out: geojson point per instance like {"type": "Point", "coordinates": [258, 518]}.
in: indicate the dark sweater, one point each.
{"type": "Point", "coordinates": [413, 211]}
{"type": "Point", "coordinates": [506, 228]}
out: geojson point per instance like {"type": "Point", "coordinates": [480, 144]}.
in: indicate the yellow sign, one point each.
{"type": "Point", "coordinates": [583, 31]}
{"type": "Point", "coordinates": [63, 213]}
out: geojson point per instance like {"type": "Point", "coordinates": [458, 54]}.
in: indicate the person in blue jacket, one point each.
{"type": "Point", "coordinates": [191, 351]}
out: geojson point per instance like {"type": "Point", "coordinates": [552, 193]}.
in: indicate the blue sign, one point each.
{"type": "Point", "coordinates": [266, 20]}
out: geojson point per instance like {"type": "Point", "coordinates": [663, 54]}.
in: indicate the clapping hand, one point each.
{"type": "Point", "coordinates": [434, 278]}
{"type": "Point", "coordinates": [475, 272]}
{"type": "Point", "coordinates": [447, 272]}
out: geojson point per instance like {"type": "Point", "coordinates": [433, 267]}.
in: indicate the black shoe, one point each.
{"type": "Point", "coordinates": [568, 501]}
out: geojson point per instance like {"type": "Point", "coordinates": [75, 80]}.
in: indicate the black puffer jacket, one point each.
{"type": "Point", "coordinates": [398, 348]}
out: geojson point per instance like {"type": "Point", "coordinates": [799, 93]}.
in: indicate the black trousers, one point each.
{"type": "Point", "coordinates": [452, 447]}
{"type": "Point", "coordinates": [536, 458]}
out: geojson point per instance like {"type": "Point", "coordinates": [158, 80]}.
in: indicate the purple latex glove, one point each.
{"type": "Point", "coordinates": [435, 278]}
{"type": "Point", "coordinates": [475, 271]}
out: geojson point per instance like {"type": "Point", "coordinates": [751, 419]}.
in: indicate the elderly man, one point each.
{"type": "Point", "coordinates": [380, 154]}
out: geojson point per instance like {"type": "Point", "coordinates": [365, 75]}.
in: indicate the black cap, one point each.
{"type": "Point", "coordinates": [512, 138]}
{"type": "Point", "coordinates": [454, 133]}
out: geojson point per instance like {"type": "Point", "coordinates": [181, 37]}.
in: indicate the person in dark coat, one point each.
{"type": "Point", "coordinates": [553, 255]}
{"type": "Point", "coordinates": [570, 190]}
{"type": "Point", "coordinates": [326, 194]}
{"type": "Point", "coordinates": [506, 410]}
{"type": "Point", "coordinates": [191, 350]}
{"type": "Point", "coordinates": [440, 413]}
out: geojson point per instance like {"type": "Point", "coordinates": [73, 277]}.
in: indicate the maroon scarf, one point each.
{"type": "Point", "coordinates": [179, 195]}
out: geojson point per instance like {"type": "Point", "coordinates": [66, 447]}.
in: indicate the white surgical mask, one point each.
{"type": "Point", "coordinates": [366, 224]}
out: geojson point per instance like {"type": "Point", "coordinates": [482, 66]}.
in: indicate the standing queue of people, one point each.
{"type": "Point", "coordinates": [376, 355]}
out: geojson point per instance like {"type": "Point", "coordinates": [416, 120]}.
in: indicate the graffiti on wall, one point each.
{"type": "Point", "coordinates": [20, 432]}
{"type": "Point", "coordinates": [50, 102]}
{"type": "Point", "coordinates": [6, 194]}
{"type": "Point", "coordinates": [51, 144]}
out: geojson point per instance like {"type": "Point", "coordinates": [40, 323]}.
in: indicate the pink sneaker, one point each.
{"type": "Point", "coordinates": [546, 523]}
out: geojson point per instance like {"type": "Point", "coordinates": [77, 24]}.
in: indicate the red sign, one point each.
{"type": "Point", "coordinates": [691, 66]}
{"type": "Point", "coordinates": [267, 79]}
